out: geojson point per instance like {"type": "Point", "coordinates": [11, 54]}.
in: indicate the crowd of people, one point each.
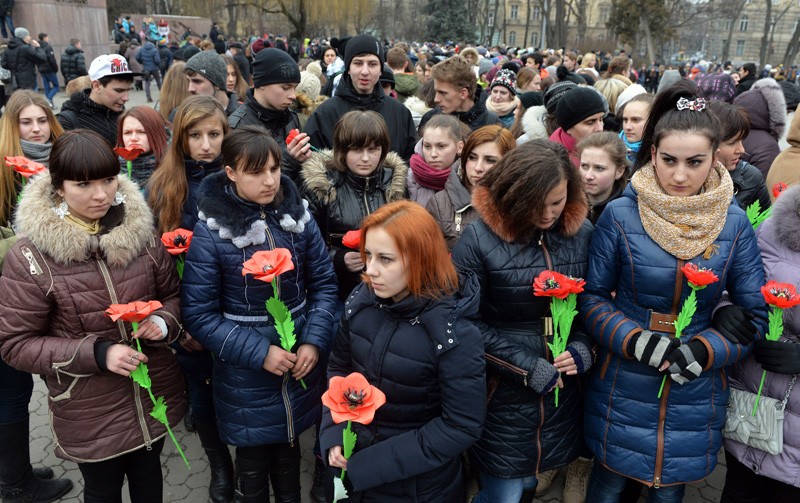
{"type": "Point", "coordinates": [467, 173]}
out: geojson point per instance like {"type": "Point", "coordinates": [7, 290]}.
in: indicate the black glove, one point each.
{"type": "Point", "coordinates": [687, 362]}
{"type": "Point", "coordinates": [778, 356]}
{"type": "Point", "coordinates": [733, 322]}
{"type": "Point", "coordinates": [651, 348]}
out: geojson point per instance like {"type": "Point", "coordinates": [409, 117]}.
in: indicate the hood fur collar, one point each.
{"type": "Point", "coordinates": [240, 221]}
{"type": "Point", "coordinates": [568, 225]}
{"type": "Point", "coordinates": [533, 122]}
{"type": "Point", "coordinates": [66, 243]}
{"type": "Point", "coordinates": [776, 105]}
{"type": "Point", "coordinates": [786, 216]}
{"type": "Point", "coordinates": [415, 104]}
{"type": "Point", "coordinates": [316, 179]}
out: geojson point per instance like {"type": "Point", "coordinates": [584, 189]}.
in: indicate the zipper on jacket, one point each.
{"type": "Point", "coordinates": [458, 222]}
{"type": "Point", "coordinates": [662, 408]}
{"type": "Point", "coordinates": [34, 266]}
{"type": "Point", "coordinates": [57, 366]}
{"type": "Point", "coordinates": [137, 395]}
{"type": "Point", "coordinates": [366, 203]}
{"type": "Point", "coordinates": [546, 253]}
{"type": "Point", "coordinates": [288, 404]}
{"type": "Point", "coordinates": [272, 247]}
{"type": "Point", "coordinates": [512, 368]}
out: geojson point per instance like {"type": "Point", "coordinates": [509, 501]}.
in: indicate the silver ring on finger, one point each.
{"type": "Point", "coordinates": [130, 360]}
{"type": "Point", "coordinates": [305, 365]}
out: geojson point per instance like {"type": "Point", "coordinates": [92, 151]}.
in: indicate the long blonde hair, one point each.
{"type": "Point", "coordinates": [174, 90]}
{"type": "Point", "coordinates": [10, 143]}
{"type": "Point", "coordinates": [169, 187]}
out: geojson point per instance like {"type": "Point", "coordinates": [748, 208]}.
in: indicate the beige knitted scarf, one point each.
{"type": "Point", "coordinates": [684, 226]}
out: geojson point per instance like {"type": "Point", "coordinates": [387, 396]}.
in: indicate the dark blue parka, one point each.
{"type": "Point", "coordinates": [674, 439]}
{"type": "Point", "coordinates": [225, 311]}
{"type": "Point", "coordinates": [149, 58]}
{"type": "Point", "coordinates": [525, 433]}
{"type": "Point", "coordinates": [428, 359]}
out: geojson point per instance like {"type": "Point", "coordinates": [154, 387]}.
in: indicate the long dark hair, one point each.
{"type": "Point", "coordinates": [665, 118]}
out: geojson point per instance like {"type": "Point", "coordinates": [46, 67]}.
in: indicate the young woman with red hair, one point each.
{"type": "Point", "coordinates": [405, 329]}
{"type": "Point", "coordinates": [144, 128]}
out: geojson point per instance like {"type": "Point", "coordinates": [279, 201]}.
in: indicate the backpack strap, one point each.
{"type": "Point", "coordinates": [71, 117]}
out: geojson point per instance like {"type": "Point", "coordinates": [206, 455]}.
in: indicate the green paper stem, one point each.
{"type": "Point", "coordinates": [349, 438]}
{"type": "Point", "coordinates": [159, 409]}
{"type": "Point", "coordinates": [130, 167]}
{"type": "Point", "coordinates": [179, 262]}
{"type": "Point", "coordinates": [684, 319]}
{"type": "Point", "coordinates": [283, 321]}
{"type": "Point", "coordinates": [775, 332]}
{"type": "Point", "coordinates": [315, 149]}
{"type": "Point", "coordinates": [563, 312]}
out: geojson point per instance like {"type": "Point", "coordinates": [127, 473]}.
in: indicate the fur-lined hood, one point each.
{"type": "Point", "coordinates": [67, 244]}
{"type": "Point", "coordinates": [320, 177]}
{"type": "Point", "coordinates": [786, 218]}
{"type": "Point", "coordinates": [766, 105]}
{"type": "Point", "coordinates": [568, 224]}
{"type": "Point", "coordinates": [243, 222]}
{"type": "Point", "coordinates": [414, 104]}
{"type": "Point", "coordinates": [533, 122]}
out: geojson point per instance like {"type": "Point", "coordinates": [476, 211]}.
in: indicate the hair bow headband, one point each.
{"type": "Point", "coordinates": [696, 105]}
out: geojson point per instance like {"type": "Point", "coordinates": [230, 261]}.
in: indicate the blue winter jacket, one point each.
{"type": "Point", "coordinates": [148, 57]}
{"type": "Point", "coordinates": [225, 311]}
{"type": "Point", "coordinates": [674, 439]}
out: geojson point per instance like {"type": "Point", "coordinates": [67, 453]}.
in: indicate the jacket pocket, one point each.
{"type": "Point", "coordinates": [69, 392]}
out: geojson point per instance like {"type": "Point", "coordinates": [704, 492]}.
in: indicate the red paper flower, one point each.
{"type": "Point", "coordinates": [699, 276]}
{"type": "Point", "coordinates": [25, 166]}
{"type": "Point", "coordinates": [352, 239]}
{"type": "Point", "coordinates": [778, 188]}
{"type": "Point", "coordinates": [781, 295]}
{"type": "Point", "coordinates": [352, 398]}
{"type": "Point", "coordinates": [575, 284]}
{"type": "Point", "coordinates": [265, 265]}
{"type": "Point", "coordinates": [129, 153]}
{"type": "Point", "coordinates": [552, 284]}
{"type": "Point", "coordinates": [177, 241]}
{"type": "Point", "coordinates": [292, 134]}
{"type": "Point", "coordinates": [133, 312]}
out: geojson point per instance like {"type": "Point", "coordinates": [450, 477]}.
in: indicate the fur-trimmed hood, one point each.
{"type": "Point", "coordinates": [568, 224]}
{"type": "Point", "coordinates": [67, 244]}
{"type": "Point", "coordinates": [533, 122]}
{"type": "Point", "coordinates": [240, 220]}
{"type": "Point", "coordinates": [766, 105]}
{"type": "Point", "coordinates": [321, 178]}
{"type": "Point", "coordinates": [414, 104]}
{"type": "Point", "coordinates": [786, 218]}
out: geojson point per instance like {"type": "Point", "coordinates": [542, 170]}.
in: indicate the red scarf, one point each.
{"type": "Point", "coordinates": [566, 139]}
{"type": "Point", "coordinates": [426, 175]}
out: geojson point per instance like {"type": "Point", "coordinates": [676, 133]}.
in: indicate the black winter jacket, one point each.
{"type": "Point", "coordinates": [476, 117]}
{"type": "Point", "coordinates": [21, 60]}
{"type": "Point", "coordinates": [427, 358]}
{"type": "Point", "coordinates": [340, 200]}
{"type": "Point", "coordinates": [749, 186]}
{"type": "Point", "coordinates": [73, 64]}
{"type": "Point", "coordinates": [244, 66]}
{"type": "Point", "coordinates": [50, 66]}
{"type": "Point", "coordinates": [81, 112]}
{"type": "Point", "coordinates": [525, 433]}
{"type": "Point", "coordinates": [6, 7]}
{"type": "Point", "coordinates": [402, 135]}
{"type": "Point", "coordinates": [278, 122]}
{"type": "Point", "coordinates": [165, 55]}
{"type": "Point", "coordinates": [745, 84]}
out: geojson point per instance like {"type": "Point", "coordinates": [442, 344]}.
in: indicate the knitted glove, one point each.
{"type": "Point", "coordinates": [543, 377]}
{"type": "Point", "coordinates": [778, 356]}
{"type": "Point", "coordinates": [687, 362]}
{"type": "Point", "coordinates": [651, 348]}
{"type": "Point", "coordinates": [581, 355]}
{"type": "Point", "coordinates": [733, 322]}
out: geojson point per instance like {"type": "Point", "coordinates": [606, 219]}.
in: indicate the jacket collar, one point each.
{"type": "Point", "coordinates": [197, 170]}
{"type": "Point", "coordinates": [456, 191]}
{"type": "Point", "coordinates": [67, 244]}
{"type": "Point", "coordinates": [347, 92]}
{"type": "Point", "coordinates": [276, 119]}
{"type": "Point", "coordinates": [471, 115]}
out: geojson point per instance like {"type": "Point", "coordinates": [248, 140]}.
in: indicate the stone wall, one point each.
{"type": "Point", "coordinates": [85, 20]}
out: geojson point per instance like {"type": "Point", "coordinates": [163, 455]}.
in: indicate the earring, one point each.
{"type": "Point", "coordinates": [62, 210]}
{"type": "Point", "coordinates": [119, 199]}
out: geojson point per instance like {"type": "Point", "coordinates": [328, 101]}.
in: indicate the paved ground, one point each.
{"type": "Point", "coordinates": [191, 486]}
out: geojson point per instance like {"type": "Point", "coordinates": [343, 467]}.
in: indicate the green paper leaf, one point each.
{"type": "Point", "coordinates": [179, 265]}
{"type": "Point", "coordinates": [687, 311]}
{"type": "Point", "coordinates": [348, 440]}
{"type": "Point", "coordinates": [775, 324]}
{"type": "Point", "coordinates": [141, 376]}
{"type": "Point", "coordinates": [283, 322]}
{"type": "Point", "coordinates": [752, 212]}
{"type": "Point", "coordinates": [339, 492]}
{"type": "Point", "coordinates": [160, 410]}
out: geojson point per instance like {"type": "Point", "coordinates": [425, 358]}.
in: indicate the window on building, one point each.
{"type": "Point", "coordinates": [743, 23]}
{"type": "Point", "coordinates": [514, 11]}
{"type": "Point", "coordinates": [605, 13]}
{"type": "Point", "coordinates": [537, 13]}
{"type": "Point", "coordinates": [490, 20]}
{"type": "Point", "coordinates": [776, 2]}
{"type": "Point", "coordinates": [534, 39]}
{"type": "Point", "coordinates": [740, 47]}
{"type": "Point", "coordinates": [512, 38]}
{"type": "Point", "coordinates": [728, 24]}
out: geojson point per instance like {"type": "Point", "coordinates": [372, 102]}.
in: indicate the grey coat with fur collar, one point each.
{"type": "Point", "coordinates": [57, 283]}
{"type": "Point", "coordinates": [339, 201]}
{"type": "Point", "coordinates": [766, 106]}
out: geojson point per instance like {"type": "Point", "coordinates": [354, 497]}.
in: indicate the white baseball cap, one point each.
{"type": "Point", "coordinates": [110, 65]}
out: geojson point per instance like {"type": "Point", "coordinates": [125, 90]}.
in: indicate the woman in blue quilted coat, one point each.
{"type": "Point", "coordinates": [676, 211]}
{"type": "Point", "coordinates": [261, 406]}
